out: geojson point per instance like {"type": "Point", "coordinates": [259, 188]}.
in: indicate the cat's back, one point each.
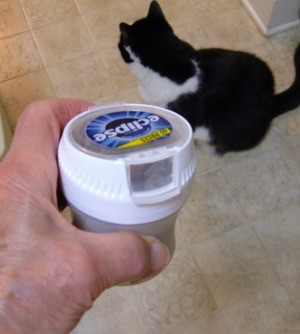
{"type": "Point", "coordinates": [229, 67]}
{"type": "Point", "coordinates": [224, 57]}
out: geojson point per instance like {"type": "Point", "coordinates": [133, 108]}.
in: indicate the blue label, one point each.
{"type": "Point", "coordinates": [125, 129]}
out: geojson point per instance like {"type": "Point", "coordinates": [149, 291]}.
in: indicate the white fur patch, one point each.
{"type": "Point", "coordinates": [202, 139]}
{"type": "Point", "coordinates": [202, 134]}
{"type": "Point", "coordinates": [159, 90]}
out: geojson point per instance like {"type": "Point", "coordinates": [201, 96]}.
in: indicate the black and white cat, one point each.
{"type": "Point", "coordinates": [227, 96]}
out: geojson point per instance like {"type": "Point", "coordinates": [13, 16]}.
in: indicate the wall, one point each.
{"type": "Point", "coordinates": [274, 16]}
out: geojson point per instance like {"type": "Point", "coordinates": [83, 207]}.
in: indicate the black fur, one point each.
{"type": "Point", "coordinates": [235, 99]}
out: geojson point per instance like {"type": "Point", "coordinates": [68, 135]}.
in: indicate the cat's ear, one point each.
{"type": "Point", "coordinates": [124, 29]}
{"type": "Point", "coordinates": [155, 11]}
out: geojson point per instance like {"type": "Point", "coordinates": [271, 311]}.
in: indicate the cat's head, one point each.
{"type": "Point", "coordinates": [145, 34]}
{"type": "Point", "coordinates": [152, 42]}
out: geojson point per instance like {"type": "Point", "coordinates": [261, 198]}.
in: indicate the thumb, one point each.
{"type": "Point", "coordinates": [123, 257]}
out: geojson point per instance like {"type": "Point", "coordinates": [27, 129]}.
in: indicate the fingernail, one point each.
{"type": "Point", "coordinates": [160, 256]}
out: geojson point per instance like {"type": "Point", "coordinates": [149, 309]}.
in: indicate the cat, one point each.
{"type": "Point", "coordinates": [227, 96]}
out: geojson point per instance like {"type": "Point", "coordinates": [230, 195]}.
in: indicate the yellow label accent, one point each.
{"type": "Point", "coordinates": [148, 138]}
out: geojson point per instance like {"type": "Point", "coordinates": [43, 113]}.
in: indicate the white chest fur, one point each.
{"type": "Point", "coordinates": [159, 90]}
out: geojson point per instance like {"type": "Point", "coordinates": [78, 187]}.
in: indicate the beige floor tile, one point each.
{"type": "Point", "coordinates": [106, 99]}
{"type": "Point", "coordinates": [130, 95]}
{"type": "Point", "coordinates": [192, 33]}
{"type": "Point", "coordinates": [40, 13]}
{"type": "Point", "coordinates": [84, 77]}
{"type": "Point", "coordinates": [123, 79]}
{"type": "Point", "coordinates": [18, 56]}
{"type": "Point", "coordinates": [211, 209]}
{"type": "Point", "coordinates": [210, 324]}
{"type": "Point", "coordinates": [86, 6]}
{"type": "Point", "coordinates": [17, 93]}
{"type": "Point", "coordinates": [206, 162]}
{"type": "Point", "coordinates": [107, 35]}
{"type": "Point", "coordinates": [180, 11]}
{"type": "Point", "coordinates": [140, 8]}
{"type": "Point", "coordinates": [115, 312]}
{"type": "Point", "coordinates": [106, 8]}
{"type": "Point", "coordinates": [62, 41]}
{"type": "Point", "coordinates": [291, 153]}
{"type": "Point", "coordinates": [235, 265]}
{"type": "Point", "coordinates": [12, 19]}
{"type": "Point", "coordinates": [262, 182]}
{"type": "Point", "coordinates": [176, 296]}
{"type": "Point", "coordinates": [289, 124]}
{"type": "Point", "coordinates": [293, 288]}
{"type": "Point", "coordinates": [286, 42]}
{"type": "Point", "coordinates": [231, 29]}
{"type": "Point", "coordinates": [280, 233]}
{"type": "Point", "coordinates": [181, 243]}
{"type": "Point", "coordinates": [214, 6]}
{"type": "Point", "coordinates": [269, 311]}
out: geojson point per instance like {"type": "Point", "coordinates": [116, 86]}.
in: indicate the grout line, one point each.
{"type": "Point", "coordinates": [99, 53]}
{"type": "Point", "coordinates": [37, 47]}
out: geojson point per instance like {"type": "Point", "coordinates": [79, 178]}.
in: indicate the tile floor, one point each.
{"type": "Point", "coordinates": [237, 265]}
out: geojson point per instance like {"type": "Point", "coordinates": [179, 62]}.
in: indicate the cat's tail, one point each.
{"type": "Point", "coordinates": [290, 98]}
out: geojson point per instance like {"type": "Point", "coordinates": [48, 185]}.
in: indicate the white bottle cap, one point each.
{"type": "Point", "coordinates": [127, 163]}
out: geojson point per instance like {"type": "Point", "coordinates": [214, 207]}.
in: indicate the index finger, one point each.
{"type": "Point", "coordinates": [33, 150]}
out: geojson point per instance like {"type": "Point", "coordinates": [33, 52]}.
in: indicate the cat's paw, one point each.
{"type": "Point", "coordinates": [202, 134]}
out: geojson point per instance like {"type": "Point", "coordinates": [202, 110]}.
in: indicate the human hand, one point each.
{"type": "Point", "coordinates": [50, 272]}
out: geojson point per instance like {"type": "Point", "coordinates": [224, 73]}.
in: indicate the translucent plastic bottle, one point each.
{"type": "Point", "coordinates": [127, 167]}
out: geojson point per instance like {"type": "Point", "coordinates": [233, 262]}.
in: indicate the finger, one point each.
{"type": "Point", "coordinates": [36, 138]}
{"type": "Point", "coordinates": [124, 257]}
{"type": "Point", "coordinates": [40, 125]}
